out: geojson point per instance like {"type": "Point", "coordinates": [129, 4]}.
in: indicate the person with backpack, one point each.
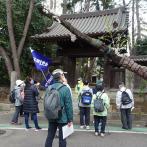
{"type": "Point", "coordinates": [18, 96]}
{"type": "Point", "coordinates": [100, 106]}
{"type": "Point", "coordinates": [125, 103]}
{"type": "Point", "coordinates": [58, 94]}
{"type": "Point", "coordinates": [99, 82]}
{"type": "Point", "coordinates": [85, 104]}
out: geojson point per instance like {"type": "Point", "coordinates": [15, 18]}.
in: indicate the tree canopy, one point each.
{"type": "Point", "coordinates": [38, 24]}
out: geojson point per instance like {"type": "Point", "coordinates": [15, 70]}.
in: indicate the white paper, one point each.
{"type": "Point", "coordinates": [67, 130]}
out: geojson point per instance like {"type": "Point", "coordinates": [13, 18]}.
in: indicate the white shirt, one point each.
{"type": "Point", "coordinates": [118, 99]}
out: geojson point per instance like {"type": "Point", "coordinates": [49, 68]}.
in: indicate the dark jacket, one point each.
{"type": "Point", "coordinates": [66, 103]}
{"type": "Point", "coordinates": [30, 103]}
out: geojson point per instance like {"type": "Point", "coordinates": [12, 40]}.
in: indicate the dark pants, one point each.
{"type": "Point", "coordinates": [100, 120]}
{"type": "Point", "coordinates": [126, 118]}
{"type": "Point", "coordinates": [16, 114]}
{"type": "Point", "coordinates": [51, 134]}
{"type": "Point", "coordinates": [21, 110]}
{"type": "Point", "coordinates": [34, 118]}
{"type": "Point", "coordinates": [84, 116]}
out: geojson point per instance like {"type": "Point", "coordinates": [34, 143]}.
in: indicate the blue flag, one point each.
{"type": "Point", "coordinates": [41, 61]}
{"type": "Point", "coordinates": [49, 81]}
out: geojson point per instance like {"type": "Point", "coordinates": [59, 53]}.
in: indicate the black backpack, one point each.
{"type": "Point", "coordinates": [125, 98]}
{"type": "Point", "coordinates": [52, 104]}
{"type": "Point", "coordinates": [98, 103]}
{"type": "Point", "coordinates": [12, 96]}
{"type": "Point", "coordinates": [86, 97]}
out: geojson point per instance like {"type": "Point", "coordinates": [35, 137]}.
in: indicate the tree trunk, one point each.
{"type": "Point", "coordinates": [11, 36]}
{"type": "Point", "coordinates": [87, 5]}
{"type": "Point", "coordinates": [13, 79]}
{"type": "Point", "coordinates": [55, 5]}
{"type": "Point", "coordinates": [124, 3]}
{"type": "Point", "coordinates": [138, 20]}
{"type": "Point", "coordinates": [78, 67]}
{"type": "Point", "coordinates": [133, 34]}
{"type": "Point", "coordinates": [121, 61]}
{"type": "Point", "coordinates": [7, 61]}
{"type": "Point", "coordinates": [64, 7]}
{"type": "Point", "coordinates": [90, 69]}
{"type": "Point", "coordinates": [26, 27]}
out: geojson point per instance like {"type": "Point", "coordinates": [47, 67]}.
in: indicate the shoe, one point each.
{"type": "Point", "coordinates": [125, 128]}
{"type": "Point", "coordinates": [15, 123]}
{"type": "Point", "coordinates": [28, 128]}
{"type": "Point", "coordinates": [82, 127]}
{"type": "Point", "coordinates": [38, 128]}
{"type": "Point", "coordinates": [102, 134]}
{"type": "Point", "coordinates": [96, 133]}
{"type": "Point", "coordinates": [87, 127]}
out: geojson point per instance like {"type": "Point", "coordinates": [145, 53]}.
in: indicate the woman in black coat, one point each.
{"type": "Point", "coordinates": [30, 104]}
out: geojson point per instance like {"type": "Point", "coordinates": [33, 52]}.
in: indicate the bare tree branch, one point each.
{"type": "Point", "coordinates": [7, 60]}
{"type": "Point", "coordinates": [10, 26]}
{"type": "Point", "coordinates": [26, 27]}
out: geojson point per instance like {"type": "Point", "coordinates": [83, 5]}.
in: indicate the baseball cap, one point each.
{"type": "Point", "coordinates": [57, 72]}
{"type": "Point", "coordinates": [19, 82]}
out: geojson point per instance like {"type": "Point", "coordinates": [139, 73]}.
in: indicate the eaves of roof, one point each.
{"type": "Point", "coordinates": [91, 23]}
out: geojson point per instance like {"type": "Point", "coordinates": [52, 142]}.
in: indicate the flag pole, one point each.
{"type": "Point", "coordinates": [43, 75]}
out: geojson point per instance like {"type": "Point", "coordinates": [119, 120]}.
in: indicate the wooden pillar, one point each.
{"type": "Point", "coordinates": [69, 65]}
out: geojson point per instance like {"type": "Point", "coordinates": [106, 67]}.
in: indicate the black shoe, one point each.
{"type": "Point", "coordinates": [38, 128]}
{"type": "Point", "coordinates": [28, 127]}
{"type": "Point", "coordinates": [125, 128]}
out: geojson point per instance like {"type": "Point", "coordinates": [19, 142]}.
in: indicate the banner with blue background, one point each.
{"type": "Point", "coordinates": [41, 61]}
{"type": "Point", "coordinates": [49, 81]}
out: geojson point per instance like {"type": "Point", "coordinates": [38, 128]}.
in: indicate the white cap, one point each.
{"type": "Point", "coordinates": [19, 82]}
{"type": "Point", "coordinates": [56, 73]}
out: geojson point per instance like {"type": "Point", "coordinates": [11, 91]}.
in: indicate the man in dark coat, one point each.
{"type": "Point", "coordinates": [67, 112]}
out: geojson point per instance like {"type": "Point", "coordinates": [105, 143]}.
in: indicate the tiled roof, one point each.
{"type": "Point", "coordinates": [91, 23]}
{"type": "Point", "coordinates": [139, 58]}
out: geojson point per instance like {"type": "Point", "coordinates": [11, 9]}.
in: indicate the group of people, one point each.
{"type": "Point", "coordinates": [100, 118]}
{"type": "Point", "coordinates": [26, 93]}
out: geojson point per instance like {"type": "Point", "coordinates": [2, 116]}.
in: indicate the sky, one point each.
{"type": "Point", "coordinates": [143, 10]}
{"type": "Point", "coordinates": [118, 2]}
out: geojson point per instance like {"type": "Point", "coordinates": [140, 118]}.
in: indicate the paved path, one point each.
{"type": "Point", "coordinates": [16, 136]}
{"type": "Point", "coordinates": [19, 138]}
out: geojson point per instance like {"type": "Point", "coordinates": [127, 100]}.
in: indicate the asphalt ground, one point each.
{"type": "Point", "coordinates": [22, 138]}
{"type": "Point", "coordinates": [17, 136]}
